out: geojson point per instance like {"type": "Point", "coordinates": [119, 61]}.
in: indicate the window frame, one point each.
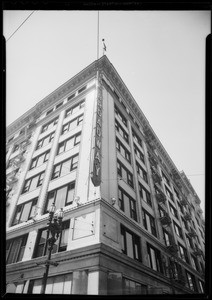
{"type": "Point", "coordinates": [49, 138]}
{"type": "Point", "coordinates": [64, 143]}
{"type": "Point", "coordinates": [129, 179]}
{"type": "Point", "coordinates": [59, 166]}
{"type": "Point", "coordinates": [157, 258]}
{"type": "Point", "coordinates": [121, 131]}
{"type": "Point", "coordinates": [136, 243]}
{"type": "Point", "coordinates": [28, 182]}
{"type": "Point", "coordinates": [50, 124]}
{"type": "Point", "coordinates": [141, 172]}
{"type": "Point", "coordinates": [70, 186]}
{"type": "Point", "coordinates": [70, 111]}
{"type": "Point", "coordinates": [126, 154]}
{"type": "Point", "coordinates": [21, 207]}
{"type": "Point", "coordinates": [78, 121]}
{"type": "Point", "coordinates": [152, 228]}
{"type": "Point", "coordinates": [16, 251]}
{"type": "Point", "coordinates": [146, 199]}
{"type": "Point", "coordinates": [36, 159]}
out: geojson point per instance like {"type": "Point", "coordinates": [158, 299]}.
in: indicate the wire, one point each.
{"type": "Point", "coordinates": [20, 26]}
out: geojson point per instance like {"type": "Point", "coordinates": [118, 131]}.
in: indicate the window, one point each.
{"type": "Point", "coordinates": [69, 143]}
{"type": "Point", "coordinates": [59, 246]}
{"type": "Point", "coordinates": [127, 204]}
{"type": "Point", "coordinates": [71, 97]}
{"type": "Point", "coordinates": [62, 284]}
{"type": "Point", "coordinates": [176, 194]}
{"type": "Point", "coordinates": [49, 111]}
{"type": "Point", "coordinates": [121, 148]}
{"type": "Point", "coordinates": [45, 141]}
{"type": "Point", "coordinates": [15, 249]}
{"type": "Point", "coordinates": [149, 222]}
{"type": "Point", "coordinates": [178, 230]}
{"type": "Point", "coordinates": [120, 116]}
{"type": "Point", "coordinates": [167, 238]}
{"type": "Point", "coordinates": [16, 147]}
{"type": "Point", "coordinates": [165, 179]}
{"type": "Point", "coordinates": [183, 253]}
{"type": "Point", "coordinates": [173, 210]}
{"type": "Point", "coordinates": [201, 285]}
{"type": "Point", "coordinates": [162, 212]}
{"type": "Point", "coordinates": [191, 281]}
{"type": "Point", "coordinates": [190, 242]}
{"type": "Point", "coordinates": [33, 182]}
{"type": "Point", "coordinates": [82, 89]}
{"type": "Point", "coordinates": [25, 211]}
{"type": "Point", "coordinates": [65, 167]}
{"type": "Point", "coordinates": [121, 131]}
{"type": "Point", "coordinates": [154, 258]}
{"type": "Point", "coordinates": [169, 194]}
{"type": "Point", "coordinates": [141, 172]}
{"type": "Point", "coordinates": [10, 139]}
{"type": "Point", "coordinates": [136, 138]}
{"type": "Point", "coordinates": [195, 263]}
{"type": "Point", "coordinates": [181, 207]}
{"type": "Point", "coordinates": [139, 154]}
{"type": "Point", "coordinates": [130, 243]}
{"type": "Point", "coordinates": [49, 125]}
{"type": "Point", "coordinates": [61, 197]}
{"type": "Point", "coordinates": [72, 124]}
{"type": "Point", "coordinates": [58, 105]}
{"type": "Point", "coordinates": [39, 160]}
{"type": "Point", "coordinates": [74, 108]}
{"type": "Point", "coordinates": [125, 174]}
{"type": "Point", "coordinates": [185, 224]}
{"type": "Point", "coordinates": [133, 288]}
{"type": "Point", "coordinates": [144, 194]}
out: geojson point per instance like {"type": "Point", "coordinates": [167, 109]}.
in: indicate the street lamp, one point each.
{"type": "Point", "coordinates": [54, 228]}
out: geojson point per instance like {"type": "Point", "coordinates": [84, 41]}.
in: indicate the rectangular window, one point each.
{"type": "Point", "coordinates": [149, 222]}
{"type": "Point", "coordinates": [124, 152]}
{"type": "Point", "coordinates": [133, 288]}
{"type": "Point", "coordinates": [120, 116]}
{"type": "Point", "coordinates": [139, 154]}
{"type": "Point", "coordinates": [183, 253]}
{"type": "Point", "coordinates": [136, 137]}
{"type": "Point", "coordinates": [173, 210]}
{"type": "Point", "coordinates": [75, 108]}
{"type": "Point", "coordinates": [167, 238]}
{"type": "Point", "coordinates": [82, 89]}
{"type": "Point", "coordinates": [33, 182]}
{"type": "Point", "coordinates": [39, 160]}
{"type": "Point", "coordinates": [65, 167]}
{"type": "Point", "coordinates": [130, 243]}
{"type": "Point", "coordinates": [69, 143]}
{"type": "Point", "coordinates": [178, 230]}
{"type": "Point", "coordinates": [49, 111]}
{"type": "Point", "coordinates": [45, 141]}
{"type": "Point", "coordinates": [165, 179]}
{"type": "Point", "coordinates": [127, 204]}
{"type": "Point", "coordinates": [72, 124]}
{"type": "Point", "coordinates": [25, 211]}
{"type": "Point", "coordinates": [154, 258]}
{"type": "Point", "coordinates": [195, 263]}
{"type": "Point", "coordinates": [169, 194]}
{"type": "Point", "coordinates": [125, 174]}
{"type": "Point", "coordinates": [121, 131]}
{"type": "Point", "coordinates": [61, 197]}
{"type": "Point", "coordinates": [71, 96]}
{"type": "Point", "coordinates": [190, 242]}
{"type": "Point", "coordinates": [201, 285]}
{"type": "Point", "coordinates": [49, 125]}
{"type": "Point", "coordinates": [59, 246]}
{"type": "Point", "coordinates": [15, 249]}
{"type": "Point", "coordinates": [144, 194]}
{"type": "Point", "coordinates": [58, 105]}
{"type": "Point", "coordinates": [141, 172]}
{"type": "Point", "coordinates": [191, 281]}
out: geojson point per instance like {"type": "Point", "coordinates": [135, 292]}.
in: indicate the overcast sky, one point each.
{"type": "Point", "coordinates": [160, 55]}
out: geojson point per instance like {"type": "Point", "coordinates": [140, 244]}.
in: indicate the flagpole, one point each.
{"type": "Point", "coordinates": [98, 36]}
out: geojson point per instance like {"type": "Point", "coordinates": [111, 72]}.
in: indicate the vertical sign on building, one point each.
{"type": "Point", "coordinates": [96, 165]}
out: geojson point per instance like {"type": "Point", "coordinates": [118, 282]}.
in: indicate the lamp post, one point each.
{"type": "Point", "coordinates": [54, 227]}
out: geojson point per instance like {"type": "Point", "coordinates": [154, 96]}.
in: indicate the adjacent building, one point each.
{"type": "Point", "coordinates": [132, 222]}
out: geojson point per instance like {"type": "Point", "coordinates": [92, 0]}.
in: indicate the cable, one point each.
{"type": "Point", "coordinates": [20, 26]}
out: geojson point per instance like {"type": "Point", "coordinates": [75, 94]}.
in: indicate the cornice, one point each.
{"type": "Point", "coordinates": [59, 93]}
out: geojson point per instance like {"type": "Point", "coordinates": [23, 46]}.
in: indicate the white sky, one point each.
{"type": "Point", "coordinates": [160, 55]}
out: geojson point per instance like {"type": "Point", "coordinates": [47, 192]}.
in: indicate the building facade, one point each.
{"type": "Point", "coordinates": [132, 222]}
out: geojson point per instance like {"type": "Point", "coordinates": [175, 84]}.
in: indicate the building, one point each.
{"type": "Point", "coordinates": [132, 222]}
